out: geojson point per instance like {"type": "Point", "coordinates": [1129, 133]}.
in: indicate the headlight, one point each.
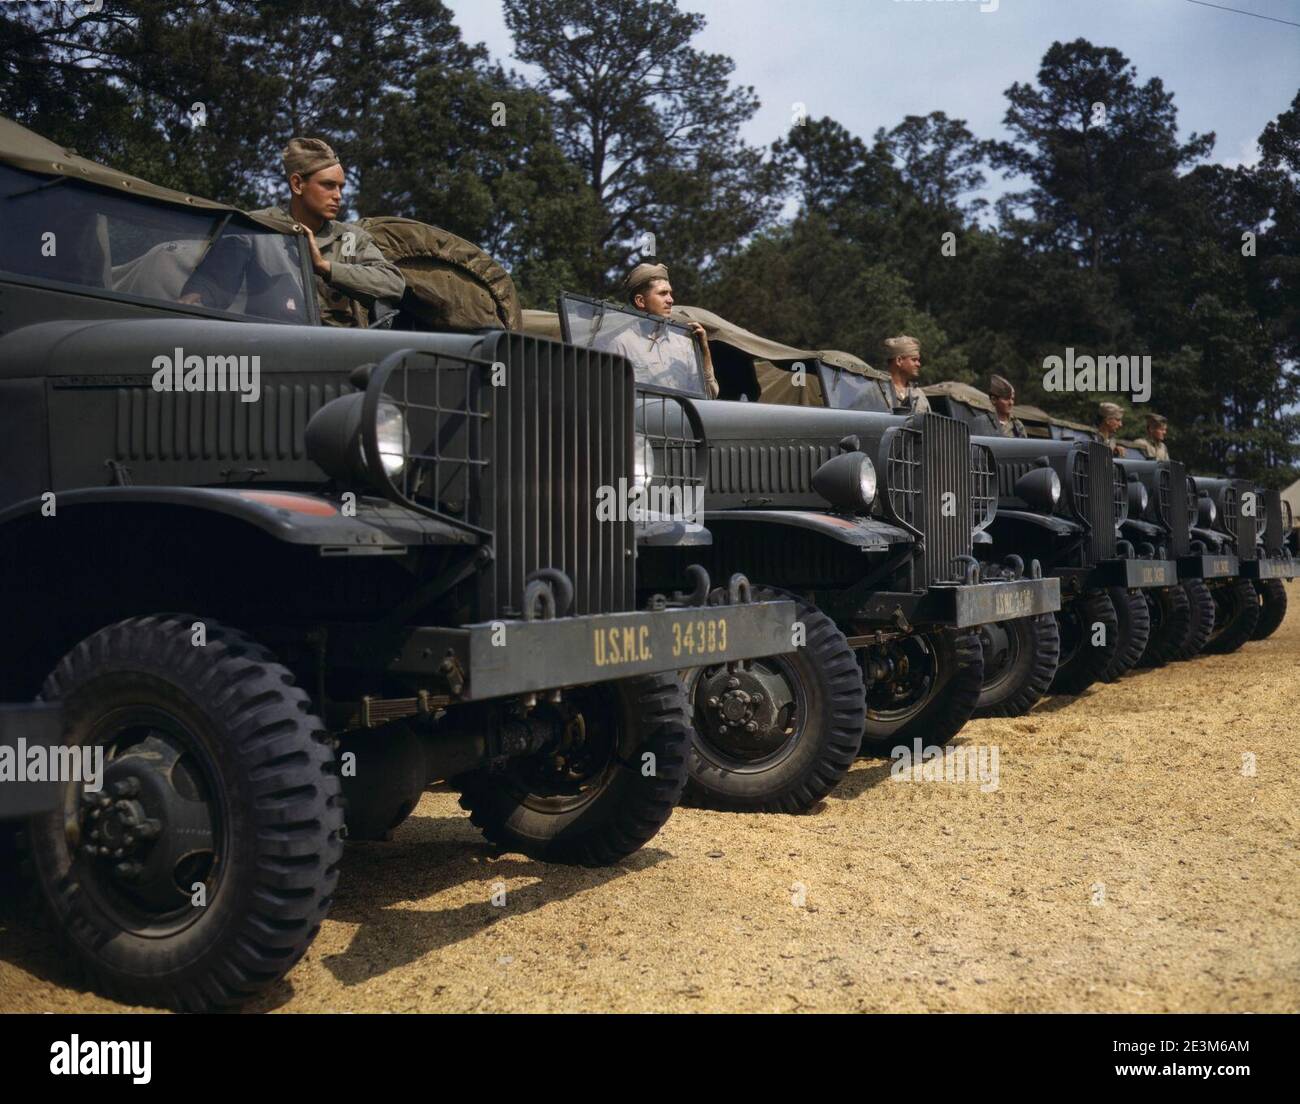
{"type": "Point", "coordinates": [643, 461]}
{"type": "Point", "coordinates": [847, 481]}
{"type": "Point", "coordinates": [335, 442]}
{"type": "Point", "coordinates": [1137, 499]}
{"type": "Point", "coordinates": [393, 437]}
{"type": "Point", "coordinates": [1209, 513]}
{"type": "Point", "coordinates": [333, 439]}
{"type": "Point", "coordinates": [1040, 488]}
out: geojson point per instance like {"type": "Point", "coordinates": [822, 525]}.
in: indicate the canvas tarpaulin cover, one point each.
{"type": "Point", "coordinates": [450, 282]}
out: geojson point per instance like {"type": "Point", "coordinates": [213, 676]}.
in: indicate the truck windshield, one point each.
{"type": "Point", "coordinates": [662, 352]}
{"type": "Point", "coordinates": [847, 391]}
{"type": "Point", "coordinates": [121, 245]}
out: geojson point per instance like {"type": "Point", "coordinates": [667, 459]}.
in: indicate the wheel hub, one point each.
{"type": "Point", "coordinates": [744, 711]}
{"type": "Point", "coordinates": [900, 677]}
{"type": "Point", "coordinates": [999, 650]}
{"type": "Point", "coordinates": [149, 834]}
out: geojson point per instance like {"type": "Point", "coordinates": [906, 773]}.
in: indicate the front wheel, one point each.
{"type": "Point", "coordinates": [604, 789]}
{"type": "Point", "coordinates": [1172, 623]}
{"type": "Point", "coordinates": [1134, 620]}
{"type": "Point", "coordinates": [1201, 605]}
{"type": "Point", "coordinates": [920, 687]}
{"type": "Point", "coordinates": [1089, 641]}
{"type": "Point", "coordinates": [1236, 615]}
{"type": "Point", "coordinates": [1272, 607]}
{"type": "Point", "coordinates": [1020, 659]}
{"type": "Point", "coordinates": [199, 869]}
{"type": "Point", "coordinates": [776, 734]}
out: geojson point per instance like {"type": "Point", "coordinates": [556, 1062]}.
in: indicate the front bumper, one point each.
{"type": "Point", "coordinates": [25, 728]}
{"type": "Point", "coordinates": [1271, 567]}
{"type": "Point", "coordinates": [1133, 574]}
{"type": "Point", "coordinates": [501, 658]}
{"type": "Point", "coordinates": [963, 606]}
{"type": "Point", "coordinates": [1216, 565]}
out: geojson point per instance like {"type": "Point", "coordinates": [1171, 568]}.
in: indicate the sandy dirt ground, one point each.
{"type": "Point", "coordinates": [1128, 860]}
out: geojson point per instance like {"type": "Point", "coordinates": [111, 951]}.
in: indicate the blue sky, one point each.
{"type": "Point", "coordinates": [870, 62]}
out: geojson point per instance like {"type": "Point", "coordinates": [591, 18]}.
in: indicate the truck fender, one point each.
{"type": "Point", "coordinates": [295, 517]}
{"type": "Point", "coordinates": [868, 534]}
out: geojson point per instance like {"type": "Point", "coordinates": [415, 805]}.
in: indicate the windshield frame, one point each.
{"type": "Point", "coordinates": [835, 374]}
{"type": "Point", "coordinates": [221, 221]}
{"type": "Point", "coordinates": [602, 306]}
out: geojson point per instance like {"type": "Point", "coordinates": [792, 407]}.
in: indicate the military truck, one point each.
{"type": "Point", "coordinates": [866, 519]}
{"type": "Point", "coordinates": [1165, 508]}
{"type": "Point", "coordinates": [1273, 562]}
{"type": "Point", "coordinates": [1062, 500]}
{"type": "Point", "coordinates": [1231, 515]}
{"type": "Point", "coordinates": [275, 578]}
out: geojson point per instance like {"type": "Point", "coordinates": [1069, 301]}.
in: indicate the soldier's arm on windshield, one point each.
{"type": "Point", "coordinates": [367, 275]}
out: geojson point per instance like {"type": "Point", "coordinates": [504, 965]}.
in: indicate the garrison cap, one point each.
{"type": "Point", "coordinates": [1000, 388]}
{"type": "Point", "coordinates": [901, 346]}
{"type": "Point", "coordinates": [308, 155]}
{"type": "Point", "coordinates": [1109, 410]}
{"type": "Point", "coordinates": [1156, 419]}
{"type": "Point", "coordinates": [640, 277]}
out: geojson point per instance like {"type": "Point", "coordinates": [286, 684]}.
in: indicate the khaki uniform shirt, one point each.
{"type": "Point", "coordinates": [665, 360]}
{"type": "Point", "coordinates": [914, 402]}
{"type": "Point", "coordinates": [1110, 442]}
{"type": "Point", "coordinates": [359, 272]}
{"type": "Point", "coordinates": [988, 425]}
{"type": "Point", "coordinates": [1156, 452]}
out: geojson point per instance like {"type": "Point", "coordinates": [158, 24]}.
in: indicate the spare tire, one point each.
{"type": "Point", "coordinates": [451, 284]}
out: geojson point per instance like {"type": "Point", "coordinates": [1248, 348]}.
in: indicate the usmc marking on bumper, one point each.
{"type": "Point", "coordinates": [1018, 602]}
{"type": "Point", "coordinates": [691, 637]}
{"type": "Point", "coordinates": [1155, 576]}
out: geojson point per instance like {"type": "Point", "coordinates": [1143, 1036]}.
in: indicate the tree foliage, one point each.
{"type": "Point", "coordinates": [1120, 239]}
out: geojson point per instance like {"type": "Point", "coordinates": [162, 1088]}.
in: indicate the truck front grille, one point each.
{"type": "Point", "coordinates": [946, 497]}
{"type": "Point", "coordinates": [1274, 532]}
{"type": "Point", "coordinates": [526, 464]}
{"type": "Point", "coordinates": [1171, 504]}
{"type": "Point", "coordinates": [1241, 525]}
{"type": "Point", "coordinates": [1101, 502]}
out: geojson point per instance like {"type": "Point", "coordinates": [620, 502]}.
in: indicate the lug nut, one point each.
{"type": "Point", "coordinates": [119, 853]}
{"type": "Point", "coordinates": [105, 802]}
{"type": "Point", "coordinates": [751, 726]}
{"type": "Point", "coordinates": [127, 869]}
{"type": "Point", "coordinates": [757, 699]}
{"type": "Point", "coordinates": [733, 684]}
{"type": "Point", "coordinates": [148, 829]}
{"type": "Point", "coordinates": [712, 703]}
{"type": "Point", "coordinates": [104, 851]}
